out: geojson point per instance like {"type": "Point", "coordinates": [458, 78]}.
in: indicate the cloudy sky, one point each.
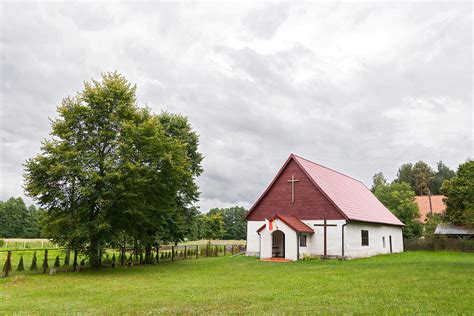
{"type": "Point", "coordinates": [357, 87]}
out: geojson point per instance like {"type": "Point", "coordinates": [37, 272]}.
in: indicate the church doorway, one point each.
{"type": "Point", "coordinates": [278, 244]}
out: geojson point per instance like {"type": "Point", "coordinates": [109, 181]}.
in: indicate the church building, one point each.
{"type": "Point", "coordinates": [311, 210]}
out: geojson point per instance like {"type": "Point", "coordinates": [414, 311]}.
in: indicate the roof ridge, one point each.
{"type": "Point", "coordinates": [342, 174]}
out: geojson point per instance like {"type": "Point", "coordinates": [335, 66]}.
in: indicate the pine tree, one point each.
{"type": "Point", "coordinates": [57, 263]}
{"type": "Point", "coordinates": [34, 265]}
{"type": "Point", "coordinates": [20, 267]}
{"type": "Point", "coordinates": [45, 261]}
{"type": "Point", "coordinates": [8, 265]}
{"type": "Point", "coordinates": [67, 258]}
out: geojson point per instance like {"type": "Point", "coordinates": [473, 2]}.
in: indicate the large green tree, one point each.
{"type": "Point", "coordinates": [459, 192]}
{"type": "Point", "coordinates": [399, 198]}
{"type": "Point", "coordinates": [443, 173]}
{"type": "Point", "coordinates": [109, 169]}
{"type": "Point", "coordinates": [422, 176]}
{"type": "Point", "coordinates": [378, 180]}
{"type": "Point", "coordinates": [404, 174]}
{"type": "Point", "coordinates": [182, 219]}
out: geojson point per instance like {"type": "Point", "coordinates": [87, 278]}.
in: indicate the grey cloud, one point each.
{"type": "Point", "coordinates": [257, 82]}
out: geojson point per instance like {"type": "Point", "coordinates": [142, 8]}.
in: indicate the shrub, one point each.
{"type": "Point", "coordinates": [34, 264]}
{"type": "Point", "coordinates": [2, 243]}
{"type": "Point", "coordinates": [8, 264]}
{"type": "Point", "coordinates": [21, 266]}
{"type": "Point", "coordinates": [82, 263]}
{"type": "Point", "coordinates": [45, 261]}
{"type": "Point", "coordinates": [67, 258]}
{"type": "Point", "coordinates": [113, 260]}
{"type": "Point", "coordinates": [57, 263]}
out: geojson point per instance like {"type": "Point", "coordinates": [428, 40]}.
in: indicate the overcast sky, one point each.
{"type": "Point", "coordinates": [360, 88]}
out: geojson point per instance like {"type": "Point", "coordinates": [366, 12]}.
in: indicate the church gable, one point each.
{"type": "Point", "coordinates": [293, 193]}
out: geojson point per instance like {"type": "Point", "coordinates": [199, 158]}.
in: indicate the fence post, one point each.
{"type": "Point", "coordinates": [232, 247]}
{"type": "Point", "coordinates": [172, 253]}
{"type": "Point", "coordinates": [224, 249]}
{"type": "Point", "coordinates": [197, 251]}
{"type": "Point", "coordinates": [185, 253]}
{"type": "Point", "coordinates": [158, 254]}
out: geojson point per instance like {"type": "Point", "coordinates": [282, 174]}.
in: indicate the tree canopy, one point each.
{"type": "Point", "coordinates": [112, 169]}
{"type": "Point", "coordinates": [399, 198]}
{"type": "Point", "coordinates": [459, 192]}
{"type": "Point", "coordinates": [422, 178]}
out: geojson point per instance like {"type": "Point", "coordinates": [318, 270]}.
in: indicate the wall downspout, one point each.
{"type": "Point", "coordinates": [343, 226]}
{"type": "Point", "coordinates": [298, 246]}
{"type": "Point", "coordinates": [259, 245]}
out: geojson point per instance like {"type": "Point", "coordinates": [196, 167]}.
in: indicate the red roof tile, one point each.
{"type": "Point", "coordinates": [351, 196]}
{"type": "Point", "coordinates": [293, 222]}
{"type": "Point", "coordinates": [437, 205]}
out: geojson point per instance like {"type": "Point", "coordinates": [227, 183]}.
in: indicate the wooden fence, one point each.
{"type": "Point", "coordinates": [57, 260]}
{"type": "Point", "coordinates": [450, 244]}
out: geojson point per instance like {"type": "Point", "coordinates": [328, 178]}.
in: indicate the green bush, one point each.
{"type": "Point", "coordinates": [34, 264]}
{"type": "Point", "coordinates": [21, 266]}
{"type": "Point", "coordinates": [57, 263]}
{"type": "Point", "coordinates": [8, 265]}
{"type": "Point", "coordinates": [2, 243]}
{"type": "Point", "coordinates": [67, 258]}
{"type": "Point", "coordinates": [82, 263]}
{"type": "Point", "coordinates": [45, 261]}
{"type": "Point", "coordinates": [113, 260]}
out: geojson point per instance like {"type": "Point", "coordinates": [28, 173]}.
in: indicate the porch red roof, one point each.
{"type": "Point", "coordinates": [293, 222]}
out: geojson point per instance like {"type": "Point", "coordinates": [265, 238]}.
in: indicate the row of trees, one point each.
{"type": "Point", "coordinates": [19, 221]}
{"type": "Point", "coordinates": [399, 195]}
{"type": "Point", "coordinates": [422, 178]}
{"type": "Point", "coordinates": [224, 223]}
{"type": "Point", "coordinates": [114, 173]}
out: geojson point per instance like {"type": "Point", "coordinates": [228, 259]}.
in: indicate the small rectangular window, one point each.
{"type": "Point", "coordinates": [365, 237]}
{"type": "Point", "coordinates": [383, 241]}
{"type": "Point", "coordinates": [302, 240]}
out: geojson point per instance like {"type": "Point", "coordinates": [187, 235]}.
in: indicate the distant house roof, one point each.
{"type": "Point", "coordinates": [349, 195]}
{"type": "Point", "coordinates": [437, 205]}
{"type": "Point", "coordinates": [448, 229]}
{"type": "Point", "coordinates": [293, 222]}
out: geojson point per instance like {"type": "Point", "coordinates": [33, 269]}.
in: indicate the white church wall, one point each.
{"type": "Point", "coordinates": [377, 233]}
{"type": "Point", "coordinates": [334, 240]}
{"type": "Point", "coordinates": [253, 239]}
{"type": "Point", "coordinates": [315, 242]}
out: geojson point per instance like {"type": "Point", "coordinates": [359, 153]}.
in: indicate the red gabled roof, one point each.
{"type": "Point", "coordinates": [437, 205]}
{"type": "Point", "coordinates": [293, 222]}
{"type": "Point", "coordinates": [350, 196]}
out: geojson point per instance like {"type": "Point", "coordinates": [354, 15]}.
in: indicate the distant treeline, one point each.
{"type": "Point", "coordinates": [19, 221]}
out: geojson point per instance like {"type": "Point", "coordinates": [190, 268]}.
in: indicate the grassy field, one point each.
{"type": "Point", "coordinates": [411, 282]}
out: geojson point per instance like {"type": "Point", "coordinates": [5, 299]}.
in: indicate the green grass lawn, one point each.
{"type": "Point", "coordinates": [411, 282]}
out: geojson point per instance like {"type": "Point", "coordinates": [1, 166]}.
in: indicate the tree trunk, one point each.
{"type": "Point", "coordinates": [148, 254]}
{"type": "Point", "coordinates": [74, 265]}
{"type": "Point", "coordinates": [94, 250]}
